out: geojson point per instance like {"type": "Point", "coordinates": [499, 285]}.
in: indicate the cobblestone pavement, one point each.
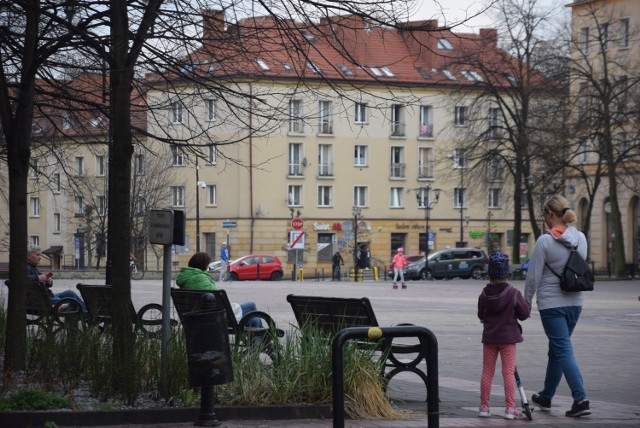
{"type": "Point", "coordinates": [606, 342]}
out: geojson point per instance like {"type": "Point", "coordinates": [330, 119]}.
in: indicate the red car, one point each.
{"type": "Point", "coordinates": [247, 267]}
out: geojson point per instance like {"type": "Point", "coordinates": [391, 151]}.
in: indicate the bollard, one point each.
{"type": "Point", "coordinates": [300, 275]}
{"type": "Point", "coordinates": [208, 354]}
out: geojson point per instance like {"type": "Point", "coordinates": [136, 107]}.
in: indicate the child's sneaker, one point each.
{"type": "Point", "coordinates": [542, 403]}
{"type": "Point", "coordinates": [404, 285]}
{"type": "Point", "coordinates": [485, 412]}
{"type": "Point", "coordinates": [511, 414]}
{"type": "Point", "coordinates": [395, 286]}
{"type": "Point", "coordinates": [579, 409]}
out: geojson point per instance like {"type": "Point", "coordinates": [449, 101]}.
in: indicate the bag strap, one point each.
{"type": "Point", "coordinates": [549, 267]}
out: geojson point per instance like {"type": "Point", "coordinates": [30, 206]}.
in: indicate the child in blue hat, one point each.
{"type": "Point", "coordinates": [500, 306]}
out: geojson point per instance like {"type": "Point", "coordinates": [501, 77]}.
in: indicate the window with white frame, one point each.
{"type": "Point", "coordinates": [34, 240]}
{"type": "Point", "coordinates": [212, 155]}
{"type": "Point", "coordinates": [622, 140]}
{"type": "Point", "coordinates": [325, 196]}
{"type": "Point", "coordinates": [396, 197]}
{"type": "Point", "coordinates": [360, 155]}
{"type": "Point", "coordinates": [584, 40]}
{"type": "Point", "coordinates": [141, 206]}
{"type": "Point", "coordinates": [494, 168]}
{"type": "Point", "coordinates": [35, 206]}
{"type": "Point", "coordinates": [101, 205]}
{"type": "Point", "coordinates": [360, 113]}
{"type": "Point", "coordinates": [57, 182]}
{"type": "Point", "coordinates": [294, 195]}
{"type": "Point", "coordinates": [425, 162]}
{"type": "Point", "coordinates": [34, 168]}
{"type": "Point", "coordinates": [325, 123]}
{"type": "Point", "coordinates": [494, 122]}
{"type": "Point", "coordinates": [460, 116]}
{"type": "Point", "coordinates": [296, 125]}
{"type": "Point", "coordinates": [424, 197]}
{"type": "Point", "coordinates": [460, 158]}
{"type": "Point", "coordinates": [583, 103]}
{"type": "Point", "coordinates": [57, 222]}
{"type": "Point", "coordinates": [139, 164]}
{"type": "Point", "coordinates": [494, 197]}
{"type": "Point", "coordinates": [426, 122]}
{"type": "Point", "coordinates": [459, 197]}
{"type": "Point", "coordinates": [397, 162]}
{"type": "Point", "coordinates": [263, 65]}
{"type": "Point", "coordinates": [397, 120]}
{"type": "Point", "coordinates": [444, 44]}
{"type": "Point", "coordinates": [80, 170]}
{"type": "Point", "coordinates": [101, 166]}
{"type": "Point", "coordinates": [583, 151]}
{"type": "Point", "coordinates": [360, 196]}
{"type": "Point", "coordinates": [177, 196]}
{"type": "Point", "coordinates": [623, 41]}
{"type": "Point", "coordinates": [212, 194]}
{"type": "Point", "coordinates": [177, 112]}
{"type": "Point", "coordinates": [325, 160]}
{"type": "Point", "coordinates": [177, 156]}
{"type": "Point", "coordinates": [79, 206]}
{"type": "Point", "coordinates": [604, 36]}
{"type": "Point", "coordinates": [296, 168]}
{"type": "Point", "coordinates": [211, 110]}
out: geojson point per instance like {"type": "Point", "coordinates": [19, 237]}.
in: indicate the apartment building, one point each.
{"type": "Point", "coordinates": [605, 54]}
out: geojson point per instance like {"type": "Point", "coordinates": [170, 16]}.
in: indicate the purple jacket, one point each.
{"type": "Point", "coordinates": [500, 306]}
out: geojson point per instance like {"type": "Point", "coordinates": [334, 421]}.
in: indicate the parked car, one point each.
{"type": "Point", "coordinates": [450, 263]}
{"type": "Point", "coordinates": [247, 268]}
{"type": "Point", "coordinates": [410, 259]}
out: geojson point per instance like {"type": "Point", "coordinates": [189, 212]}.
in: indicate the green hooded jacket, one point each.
{"type": "Point", "coordinates": [195, 279]}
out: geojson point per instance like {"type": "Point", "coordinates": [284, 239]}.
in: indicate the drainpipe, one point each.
{"type": "Point", "coordinates": [253, 220]}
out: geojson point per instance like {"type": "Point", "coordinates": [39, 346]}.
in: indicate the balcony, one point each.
{"type": "Point", "coordinates": [398, 129]}
{"type": "Point", "coordinates": [325, 128]}
{"type": "Point", "coordinates": [426, 131]}
{"type": "Point", "coordinates": [398, 170]}
{"type": "Point", "coordinates": [296, 170]}
{"type": "Point", "coordinates": [296, 126]}
{"type": "Point", "coordinates": [325, 170]}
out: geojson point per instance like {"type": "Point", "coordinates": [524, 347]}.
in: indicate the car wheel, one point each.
{"type": "Point", "coordinates": [476, 273]}
{"type": "Point", "coordinates": [276, 276]}
{"type": "Point", "coordinates": [233, 276]}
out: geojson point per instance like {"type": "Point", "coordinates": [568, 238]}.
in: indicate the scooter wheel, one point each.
{"type": "Point", "coordinates": [527, 411]}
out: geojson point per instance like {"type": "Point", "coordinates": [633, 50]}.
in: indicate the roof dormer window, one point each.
{"type": "Point", "coordinates": [449, 75]}
{"type": "Point", "coordinates": [313, 67]}
{"type": "Point", "coordinates": [263, 65]}
{"type": "Point", "coordinates": [376, 72]}
{"type": "Point", "coordinates": [387, 72]}
{"type": "Point", "coordinates": [444, 44]}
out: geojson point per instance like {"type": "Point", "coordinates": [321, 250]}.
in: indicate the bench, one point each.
{"type": "Point", "coordinates": [41, 311]}
{"type": "Point", "coordinates": [329, 315]}
{"type": "Point", "coordinates": [99, 301]}
{"type": "Point", "coordinates": [191, 300]}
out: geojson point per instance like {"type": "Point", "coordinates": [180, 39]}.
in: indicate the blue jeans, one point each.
{"type": "Point", "coordinates": [250, 307]}
{"type": "Point", "coordinates": [558, 325]}
{"type": "Point", "coordinates": [68, 293]}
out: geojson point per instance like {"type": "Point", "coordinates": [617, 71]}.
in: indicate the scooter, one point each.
{"type": "Point", "coordinates": [523, 397]}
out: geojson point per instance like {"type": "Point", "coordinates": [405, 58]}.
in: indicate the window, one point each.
{"type": "Point", "coordinates": [295, 117]}
{"type": "Point", "coordinates": [295, 196]}
{"type": "Point", "coordinates": [80, 172]}
{"type": "Point", "coordinates": [79, 206]}
{"type": "Point", "coordinates": [472, 76]}
{"type": "Point", "coordinates": [426, 122]}
{"type": "Point", "coordinates": [140, 206]}
{"type": "Point", "coordinates": [263, 65]}
{"type": "Point", "coordinates": [494, 198]}
{"type": "Point", "coordinates": [68, 120]}
{"type": "Point", "coordinates": [397, 162]}
{"type": "Point", "coordinates": [212, 155]}
{"type": "Point", "coordinates": [583, 103]}
{"type": "Point", "coordinates": [34, 169]}
{"type": "Point", "coordinates": [397, 120]}
{"type": "Point", "coordinates": [211, 110]}
{"type": "Point", "coordinates": [325, 196]}
{"type": "Point", "coordinates": [34, 240]}
{"type": "Point", "coordinates": [101, 205]}
{"type": "Point", "coordinates": [212, 194]}
{"type": "Point", "coordinates": [583, 151]}
{"type": "Point", "coordinates": [57, 222]}
{"type": "Point", "coordinates": [57, 182]}
{"type": "Point", "coordinates": [296, 167]}
{"type": "Point", "coordinates": [313, 67]}
{"type": "Point", "coordinates": [425, 162]}
{"type": "Point", "coordinates": [325, 160]}
{"type": "Point", "coordinates": [177, 196]}
{"type": "Point", "coordinates": [396, 195]}
{"type": "Point", "coordinates": [35, 206]}
{"type": "Point", "coordinates": [325, 247]}
{"type": "Point", "coordinates": [360, 113]}
{"type": "Point", "coordinates": [177, 156]}
{"type": "Point", "coordinates": [458, 197]}
{"type": "Point", "coordinates": [177, 112]}
{"type": "Point", "coordinates": [139, 164]}
{"type": "Point", "coordinates": [460, 116]}
{"type": "Point", "coordinates": [494, 130]}
{"type": "Point", "coordinates": [584, 40]}
{"type": "Point", "coordinates": [460, 159]}
{"type": "Point", "coordinates": [449, 75]}
{"type": "Point", "coordinates": [100, 166]}
{"type": "Point", "coordinates": [623, 146]}
{"type": "Point", "coordinates": [444, 44]}
{"type": "Point", "coordinates": [360, 196]}
{"type": "Point", "coordinates": [387, 72]}
{"type": "Point", "coordinates": [423, 197]}
{"type": "Point", "coordinates": [360, 156]}
{"type": "Point", "coordinates": [325, 124]}
{"type": "Point", "coordinates": [604, 36]}
{"type": "Point", "coordinates": [623, 42]}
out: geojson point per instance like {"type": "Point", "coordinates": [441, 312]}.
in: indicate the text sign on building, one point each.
{"type": "Point", "coordinates": [161, 227]}
{"type": "Point", "coordinates": [297, 223]}
{"type": "Point", "coordinates": [229, 224]}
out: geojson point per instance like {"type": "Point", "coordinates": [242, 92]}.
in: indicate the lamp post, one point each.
{"type": "Point", "coordinates": [461, 196]}
{"type": "Point", "coordinates": [356, 212]}
{"type": "Point", "coordinates": [423, 196]}
{"type": "Point", "coordinates": [199, 184]}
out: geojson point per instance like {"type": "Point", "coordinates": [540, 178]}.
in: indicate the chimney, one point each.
{"type": "Point", "coordinates": [212, 25]}
{"type": "Point", "coordinates": [489, 36]}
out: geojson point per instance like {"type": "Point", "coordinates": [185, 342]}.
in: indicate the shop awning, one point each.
{"type": "Point", "coordinates": [53, 251]}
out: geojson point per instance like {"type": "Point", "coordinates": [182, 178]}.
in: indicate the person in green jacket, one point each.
{"type": "Point", "coordinates": [196, 277]}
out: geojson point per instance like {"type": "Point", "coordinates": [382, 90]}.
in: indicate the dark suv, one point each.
{"type": "Point", "coordinates": [450, 263]}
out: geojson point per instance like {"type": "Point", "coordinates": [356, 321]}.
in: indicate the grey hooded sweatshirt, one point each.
{"type": "Point", "coordinates": [541, 281]}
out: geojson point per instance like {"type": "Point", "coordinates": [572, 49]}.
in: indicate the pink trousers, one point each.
{"type": "Point", "coordinates": [507, 353]}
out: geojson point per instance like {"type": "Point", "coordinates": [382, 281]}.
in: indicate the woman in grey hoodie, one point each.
{"type": "Point", "coordinates": [559, 310]}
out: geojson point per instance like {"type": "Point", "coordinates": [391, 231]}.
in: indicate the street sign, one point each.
{"type": "Point", "coordinates": [229, 224]}
{"type": "Point", "coordinates": [161, 227]}
{"type": "Point", "coordinates": [297, 240]}
{"type": "Point", "coordinates": [297, 223]}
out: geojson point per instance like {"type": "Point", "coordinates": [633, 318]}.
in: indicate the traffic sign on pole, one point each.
{"type": "Point", "coordinates": [297, 223]}
{"type": "Point", "coordinates": [297, 240]}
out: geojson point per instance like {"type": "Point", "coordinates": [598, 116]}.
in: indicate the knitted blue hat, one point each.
{"type": "Point", "coordinates": [498, 266]}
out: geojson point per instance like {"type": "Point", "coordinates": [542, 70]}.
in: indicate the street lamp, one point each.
{"type": "Point", "coordinates": [356, 212]}
{"type": "Point", "coordinates": [423, 198]}
{"type": "Point", "coordinates": [199, 184]}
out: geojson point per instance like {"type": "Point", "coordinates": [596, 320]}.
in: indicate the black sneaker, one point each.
{"type": "Point", "coordinates": [579, 409]}
{"type": "Point", "coordinates": [543, 404]}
